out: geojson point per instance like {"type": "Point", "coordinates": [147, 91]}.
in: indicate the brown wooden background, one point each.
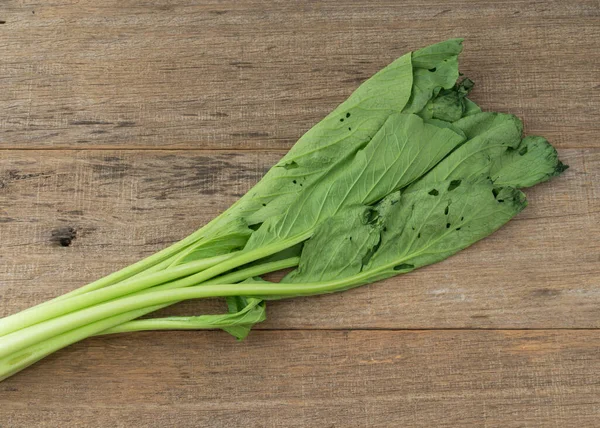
{"type": "Point", "coordinates": [125, 125]}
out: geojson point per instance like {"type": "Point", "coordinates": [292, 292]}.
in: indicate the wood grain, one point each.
{"type": "Point", "coordinates": [125, 125]}
{"type": "Point", "coordinates": [314, 379]}
{"type": "Point", "coordinates": [243, 74]}
{"type": "Point", "coordinates": [540, 271]}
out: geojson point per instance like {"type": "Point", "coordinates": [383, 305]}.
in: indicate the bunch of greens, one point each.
{"type": "Point", "coordinates": [406, 172]}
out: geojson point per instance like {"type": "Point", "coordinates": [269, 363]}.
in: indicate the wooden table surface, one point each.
{"type": "Point", "coordinates": [128, 124]}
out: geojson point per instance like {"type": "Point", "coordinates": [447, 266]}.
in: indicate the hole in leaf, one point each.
{"type": "Point", "coordinates": [294, 181]}
{"type": "Point", "coordinates": [434, 192]}
{"type": "Point", "coordinates": [347, 114]}
{"type": "Point", "coordinates": [458, 228]}
{"type": "Point", "coordinates": [523, 151]}
{"type": "Point", "coordinates": [454, 184]}
{"type": "Point", "coordinates": [350, 238]}
{"type": "Point", "coordinates": [264, 205]}
{"type": "Point", "coordinates": [371, 216]}
{"type": "Point", "coordinates": [349, 129]}
{"type": "Point", "coordinates": [495, 192]}
{"type": "Point", "coordinates": [447, 225]}
{"type": "Point", "coordinates": [404, 266]}
{"type": "Point", "coordinates": [446, 210]}
{"type": "Point", "coordinates": [500, 200]}
{"type": "Point", "coordinates": [342, 119]}
{"type": "Point", "coordinates": [462, 218]}
{"type": "Point", "coordinates": [419, 235]}
{"type": "Point", "coordinates": [291, 165]}
{"type": "Point", "coordinates": [367, 257]}
{"type": "Point", "coordinates": [433, 69]}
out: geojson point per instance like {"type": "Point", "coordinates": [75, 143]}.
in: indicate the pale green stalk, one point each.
{"type": "Point", "coordinates": [24, 319]}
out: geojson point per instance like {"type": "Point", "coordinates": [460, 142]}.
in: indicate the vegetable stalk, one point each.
{"type": "Point", "coordinates": [405, 173]}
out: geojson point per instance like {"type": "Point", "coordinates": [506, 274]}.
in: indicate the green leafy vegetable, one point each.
{"type": "Point", "coordinates": [404, 173]}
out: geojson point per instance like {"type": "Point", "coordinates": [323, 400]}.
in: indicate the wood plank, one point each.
{"type": "Point", "coordinates": [237, 74]}
{"type": "Point", "coordinates": [315, 379]}
{"type": "Point", "coordinates": [540, 271]}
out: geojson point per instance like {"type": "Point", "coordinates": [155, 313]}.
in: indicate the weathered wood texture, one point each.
{"type": "Point", "coordinates": [315, 378]}
{"type": "Point", "coordinates": [93, 92]}
{"type": "Point", "coordinates": [539, 271]}
{"type": "Point", "coordinates": [250, 74]}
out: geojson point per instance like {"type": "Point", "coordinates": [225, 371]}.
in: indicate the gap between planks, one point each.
{"type": "Point", "coordinates": [428, 329]}
{"type": "Point", "coordinates": [190, 149]}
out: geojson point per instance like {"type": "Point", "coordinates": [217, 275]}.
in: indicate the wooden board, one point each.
{"type": "Point", "coordinates": [125, 125]}
{"type": "Point", "coordinates": [315, 378]}
{"type": "Point", "coordinates": [540, 271]}
{"type": "Point", "coordinates": [255, 74]}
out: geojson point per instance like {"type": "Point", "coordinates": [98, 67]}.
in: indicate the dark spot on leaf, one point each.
{"type": "Point", "coordinates": [264, 205]}
{"type": "Point", "coordinates": [434, 192]}
{"type": "Point", "coordinates": [446, 210]}
{"type": "Point", "coordinates": [347, 114]}
{"type": "Point", "coordinates": [447, 225]}
{"type": "Point", "coordinates": [403, 266]}
{"type": "Point", "coordinates": [294, 181]}
{"type": "Point", "coordinates": [454, 184]}
{"type": "Point", "coordinates": [433, 69]}
{"type": "Point", "coordinates": [350, 238]}
{"type": "Point", "coordinates": [458, 228]}
{"type": "Point", "coordinates": [342, 119]}
{"type": "Point", "coordinates": [560, 168]}
{"type": "Point", "coordinates": [419, 235]}
{"type": "Point", "coordinates": [462, 218]}
{"type": "Point", "coordinates": [349, 129]}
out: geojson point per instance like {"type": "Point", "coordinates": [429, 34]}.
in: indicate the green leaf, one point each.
{"type": "Point", "coordinates": [339, 247]}
{"type": "Point", "coordinates": [435, 68]}
{"type": "Point", "coordinates": [489, 136]}
{"type": "Point", "coordinates": [232, 236]}
{"type": "Point", "coordinates": [532, 162]}
{"type": "Point", "coordinates": [335, 140]}
{"type": "Point", "coordinates": [449, 104]}
{"type": "Point", "coordinates": [417, 229]}
{"type": "Point", "coordinates": [244, 313]}
{"type": "Point", "coordinates": [403, 150]}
